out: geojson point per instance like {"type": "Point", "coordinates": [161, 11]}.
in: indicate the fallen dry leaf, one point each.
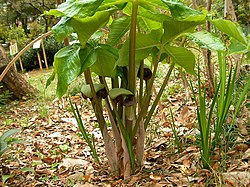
{"type": "Point", "coordinates": [76, 176]}
{"type": "Point", "coordinates": [186, 163]}
{"type": "Point", "coordinates": [241, 147]}
{"type": "Point", "coordinates": [71, 162]}
{"type": "Point", "coordinates": [85, 185]}
{"type": "Point", "coordinates": [216, 166]}
{"type": "Point", "coordinates": [238, 178]}
{"type": "Point", "coordinates": [134, 179]}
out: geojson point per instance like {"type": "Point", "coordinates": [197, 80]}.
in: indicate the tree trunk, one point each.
{"type": "Point", "coordinates": [207, 54]}
{"type": "Point", "coordinates": [229, 12]}
{"type": "Point", "coordinates": [208, 60]}
{"type": "Point", "coordinates": [13, 81]}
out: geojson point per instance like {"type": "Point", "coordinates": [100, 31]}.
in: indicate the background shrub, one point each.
{"type": "Point", "coordinates": [30, 60]}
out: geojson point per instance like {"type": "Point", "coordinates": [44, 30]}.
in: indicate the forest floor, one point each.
{"type": "Point", "coordinates": [55, 154]}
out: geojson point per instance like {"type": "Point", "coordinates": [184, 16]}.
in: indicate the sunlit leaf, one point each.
{"type": "Point", "coordinates": [148, 25]}
{"type": "Point", "coordinates": [153, 3]}
{"type": "Point", "coordinates": [86, 27]}
{"type": "Point", "coordinates": [154, 16]}
{"type": "Point", "coordinates": [147, 20]}
{"type": "Point", "coordinates": [118, 29]}
{"type": "Point", "coordinates": [173, 28]}
{"type": "Point", "coordinates": [183, 12]}
{"type": "Point", "coordinates": [207, 40]}
{"type": "Point", "coordinates": [113, 3]}
{"type": "Point", "coordinates": [230, 28]}
{"type": "Point", "coordinates": [63, 28]}
{"type": "Point", "coordinates": [79, 9]}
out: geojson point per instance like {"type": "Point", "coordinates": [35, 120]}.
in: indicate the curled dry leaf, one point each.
{"type": "Point", "coordinates": [49, 160]}
{"type": "Point", "coordinates": [89, 173]}
{"type": "Point", "coordinates": [246, 155]}
{"type": "Point", "coordinates": [241, 147]}
{"type": "Point", "coordinates": [84, 185]}
{"type": "Point", "coordinates": [155, 177]}
{"type": "Point", "coordinates": [55, 135]}
{"type": "Point", "coordinates": [44, 171]}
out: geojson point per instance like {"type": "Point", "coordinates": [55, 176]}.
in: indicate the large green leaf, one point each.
{"type": "Point", "coordinates": [207, 40]}
{"type": "Point", "coordinates": [105, 61]}
{"type": "Point", "coordinates": [148, 9]}
{"type": "Point", "coordinates": [115, 92]}
{"type": "Point", "coordinates": [182, 57]}
{"type": "Point", "coordinates": [87, 56]}
{"type": "Point", "coordinates": [87, 26]}
{"type": "Point", "coordinates": [118, 29]}
{"type": "Point", "coordinates": [144, 44]}
{"type": "Point", "coordinates": [147, 25]}
{"type": "Point", "coordinates": [157, 4]}
{"type": "Point", "coordinates": [67, 66]}
{"type": "Point", "coordinates": [107, 4]}
{"type": "Point", "coordinates": [76, 8]}
{"type": "Point", "coordinates": [183, 12]}
{"type": "Point", "coordinates": [154, 16]}
{"type": "Point", "coordinates": [9, 133]}
{"type": "Point", "coordinates": [230, 28]}
{"type": "Point", "coordinates": [237, 47]}
{"type": "Point", "coordinates": [151, 21]}
{"type": "Point", "coordinates": [63, 28]}
{"type": "Point", "coordinates": [173, 28]}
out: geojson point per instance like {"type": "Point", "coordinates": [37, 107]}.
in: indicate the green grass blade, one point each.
{"type": "Point", "coordinates": [241, 99]}
{"type": "Point", "coordinates": [177, 142]}
{"type": "Point", "coordinates": [83, 130]}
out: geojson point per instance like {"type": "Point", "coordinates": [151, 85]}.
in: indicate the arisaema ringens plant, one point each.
{"type": "Point", "coordinates": [122, 42]}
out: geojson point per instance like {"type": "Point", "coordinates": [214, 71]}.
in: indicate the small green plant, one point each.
{"type": "Point", "coordinates": [6, 139]}
{"type": "Point", "coordinates": [224, 100]}
{"type": "Point", "coordinates": [64, 147]}
{"type": "Point", "coordinates": [43, 110]}
{"type": "Point", "coordinates": [176, 138]}
{"type": "Point", "coordinates": [8, 122]}
{"type": "Point", "coordinates": [204, 121]}
{"type": "Point", "coordinates": [221, 101]}
{"type": "Point", "coordinates": [4, 96]}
